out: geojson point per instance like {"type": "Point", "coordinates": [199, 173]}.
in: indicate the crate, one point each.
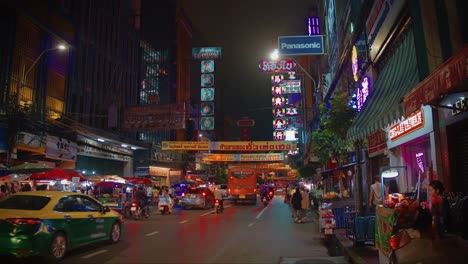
{"type": "Point", "coordinates": [341, 216]}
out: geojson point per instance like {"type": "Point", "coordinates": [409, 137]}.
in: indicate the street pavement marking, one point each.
{"type": "Point", "coordinates": [152, 233]}
{"type": "Point", "coordinates": [185, 221]}
{"type": "Point", "coordinates": [260, 214]}
{"type": "Point", "coordinates": [251, 224]}
{"type": "Point", "coordinates": [94, 254]}
{"type": "Point", "coordinates": [208, 213]}
{"type": "Point", "coordinates": [228, 206]}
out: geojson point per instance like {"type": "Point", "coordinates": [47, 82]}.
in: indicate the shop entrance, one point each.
{"type": "Point", "coordinates": [458, 155]}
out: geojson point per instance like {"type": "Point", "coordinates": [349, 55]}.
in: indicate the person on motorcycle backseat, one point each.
{"type": "Point", "coordinates": [218, 195]}
{"type": "Point", "coordinates": [265, 193]}
{"type": "Point", "coordinates": [140, 197]}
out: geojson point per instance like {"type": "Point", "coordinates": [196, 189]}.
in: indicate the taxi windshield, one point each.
{"type": "Point", "coordinates": [24, 202]}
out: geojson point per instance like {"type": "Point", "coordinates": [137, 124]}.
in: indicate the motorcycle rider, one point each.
{"type": "Point", "coordinates": [141, 198]}
{"type": "Point", "coordinates": [264, 193]}
{"type": "Point", "coordinates": [218, 195]}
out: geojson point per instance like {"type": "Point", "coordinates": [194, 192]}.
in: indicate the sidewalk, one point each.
{"type": "Point", "coordinates": [356, 254]}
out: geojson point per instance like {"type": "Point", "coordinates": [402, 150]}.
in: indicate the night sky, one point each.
{"type": "Point", "coordinates": [247, 31]}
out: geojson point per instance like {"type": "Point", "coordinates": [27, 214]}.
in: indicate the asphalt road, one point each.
{"type": "Point", "coordinates": [242, 234]}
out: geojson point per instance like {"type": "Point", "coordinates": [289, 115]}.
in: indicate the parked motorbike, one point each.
{"type": "Point", "coordinates": [218, 207]}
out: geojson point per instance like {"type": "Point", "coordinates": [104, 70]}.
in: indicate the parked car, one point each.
{"type": "Point", "coordinates": [50, 223]}
{"type": "Point", "coordinates": [200, 197]}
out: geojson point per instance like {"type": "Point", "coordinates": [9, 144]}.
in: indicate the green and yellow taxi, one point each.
{"type": "Point", "coordinates": [49, 223]}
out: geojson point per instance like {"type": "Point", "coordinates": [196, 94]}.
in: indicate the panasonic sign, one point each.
{"type": "Point", "coordinates": [301, 45]}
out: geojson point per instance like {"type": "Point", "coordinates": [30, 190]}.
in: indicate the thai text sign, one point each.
{"type": "Point", "coordinates": [246, 146]}
{"type": "Point", "coordinates": [154, 117]}
{"type": "Point", "coordinates": [285, 65]}
{"type": "Point", "coordinates": [243, 157]}
{"type": "Point", "coordinates": [407, 126]}
{"type": "Point", "coordinates": [209, 53]}
{"type": "Point", "coordinates": [301, 45]}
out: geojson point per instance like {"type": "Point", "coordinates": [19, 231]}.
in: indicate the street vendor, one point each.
{"type": "Point", "coordinates": [375, 197]}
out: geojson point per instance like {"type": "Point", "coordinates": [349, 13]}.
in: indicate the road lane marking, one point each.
{"type": "Point", "coordinates": [94, 254]}
{"type": "Point", "coordinates": [251, 224]}
{"type": "Point", "coordinates": [260, 214]}
{"type": "Point", "coordinates": [228, 206]}
{"type": "Point", "coordinates": [208, 213]}
{"type": "Point", "coordinates": [185, 221]}
{"type": "Point", "coordinates": [152, 233]}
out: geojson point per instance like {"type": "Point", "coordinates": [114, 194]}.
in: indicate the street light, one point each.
{"type": "Point", "coordinates": [25, 73]}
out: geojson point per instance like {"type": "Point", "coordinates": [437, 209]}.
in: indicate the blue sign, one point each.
{"type": "Point", "coordinates": [301, 45]}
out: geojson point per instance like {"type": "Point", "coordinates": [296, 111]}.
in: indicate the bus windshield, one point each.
{"type": "Point", "coordinates": [242, 174]}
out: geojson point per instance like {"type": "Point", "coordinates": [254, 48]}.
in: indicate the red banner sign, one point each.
{"type": "Point", "coordinates": [407, 126]}
{"type": "Point", "coordinates": [376, 142]}
{"type": "Point", "coordinates": [439, 83]}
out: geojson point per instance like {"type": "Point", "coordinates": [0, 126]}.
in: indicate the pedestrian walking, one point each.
{"type": "Point", "coordinates": [375, 197]}
{"type": "Point", "coordinates": [296, 202]}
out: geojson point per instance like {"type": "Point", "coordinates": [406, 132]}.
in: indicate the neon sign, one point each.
{"type": "Point", "coordinates": [355, 63]}
{"type": "Point", "coordinates": [420, 161]}
{"type": "Point", "coordinates": [363, 93]}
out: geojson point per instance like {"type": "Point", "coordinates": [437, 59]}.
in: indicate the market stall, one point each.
{"type": "Point", "coordinates": [58, 179]}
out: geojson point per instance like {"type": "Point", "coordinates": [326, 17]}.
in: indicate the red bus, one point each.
{"type": "Point", "coordinates": [242, 184]}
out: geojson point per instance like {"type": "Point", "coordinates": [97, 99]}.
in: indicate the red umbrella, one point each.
{"type": "Point", "coordinates": [145, 181]}
{"type": "Point", "coordinates": [57, 174]}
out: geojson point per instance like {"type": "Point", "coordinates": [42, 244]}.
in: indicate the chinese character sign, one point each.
{"type": "Point", "coordinates": [278, 101]}
{"type": "Point", "coordinates": [207, 123]}
{"type": "Point", "coordinates": [279, 135]}
{"type": "Point", "coordinates": [207, 108]}
{"type": "Point", "coordinates": [207, 94]}
{"type": "Point", "coordinates": [207, 66]}
{"type": "Point", "coordinates": [207, 80]}
{"type": "Point", "coordinates": [277, 79]}
{"type": "Point", "coordinates": [278, 89]}
{"type": "Point", "coordinates": [279, 124]}
{"type": "Point", "coordinates": [278, 112]}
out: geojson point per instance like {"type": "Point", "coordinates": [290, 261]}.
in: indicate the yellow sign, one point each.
{"type": "Point", "coordinates": [185, 145]}
{"type": "Point", "coordinates": [246, 146]}
{"type": "Point", "coordinates": [243, 157]}
{"type": "Point", "coordinates": [252, 146]}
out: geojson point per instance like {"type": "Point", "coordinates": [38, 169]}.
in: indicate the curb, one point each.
{"type": "Point", "coordinates": [346, 247]}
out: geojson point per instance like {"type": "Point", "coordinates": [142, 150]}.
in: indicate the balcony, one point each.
{"type": "Point", "coordinates": [54, 108]}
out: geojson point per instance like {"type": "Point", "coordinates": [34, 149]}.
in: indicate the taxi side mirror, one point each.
{"type": "Point", "coordinates": [105, 209]}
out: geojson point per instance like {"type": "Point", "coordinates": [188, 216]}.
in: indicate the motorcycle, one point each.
{"type": "Point", "coordinates": [218, 207]}
{"type": "Point", "coordinates": [271, 194]}
{"type": "Point", "coordinates": [163, 205]}
{"type": "Point", "coordinates": [265, 200]}
{"type": "Point", "coordinates": [135, 210]}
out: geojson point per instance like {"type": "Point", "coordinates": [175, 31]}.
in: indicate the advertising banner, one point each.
{"type": "Point", "coordinates": [207, 66]}
{"type": "Point", "coordinates": [207, 108]}
{"type": "Point", "coordinates": [284, 65]}
{"type": "Point", "coordinates": [207, 80]}
{"type": "Point", "coordinates": [207, 94]}
{"type": "Point", "coordinates": [207, 123]}
{"type": "Point", "coordinates": [377, 143]}
{"type": "Point", "coordinates": [291, 86]}
{"type": "Point", "coordinates": [185, 145]}
{"type": "Point", "coordinates": [247, 146]}
{"type": "Point", "coordinates": [243, 157]}
{"type": "Point", "coordinates": [154, 117]}
{"type": "Point", "coordinates": [207, 53]}
{"type": "Point", "coordinates": [301, 45]}
{"type": "Point", "coordinates": [61, 149]}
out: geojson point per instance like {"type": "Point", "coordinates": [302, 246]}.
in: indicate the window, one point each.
{"type": "Point", "coordinates": [89, 205]}
{"type": "Point", "coordinates": [67, 204]}
{"type": "Point", "coordinates": [242, 174]}
{"type": "Point", "coordinates": [24, 202]}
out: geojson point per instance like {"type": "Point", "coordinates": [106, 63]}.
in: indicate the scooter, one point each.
{"type": "Point", "coordinates": [218, 207]}
{"type": "Point", "coordinates": [163, 205]}
{"type": "Point", "coordinates": [265, 200]}
{"type": "Point", "coordinates": [135, 210]}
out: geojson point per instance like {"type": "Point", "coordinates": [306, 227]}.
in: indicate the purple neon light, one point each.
{"type": "Point", "coordinates": [313, 26]}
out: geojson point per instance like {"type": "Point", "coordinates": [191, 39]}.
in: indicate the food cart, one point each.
{"type": "Point", "coordinates": [113, 194]}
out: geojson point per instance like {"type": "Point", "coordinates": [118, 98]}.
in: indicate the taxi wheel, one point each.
{"type": "Point", "coordinates": [58, 247]}
{"type": "Point", "coordinates": [115, 233]}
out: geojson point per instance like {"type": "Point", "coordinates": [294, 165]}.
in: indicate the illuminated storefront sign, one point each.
{"type": "Point", "coordinates": [278, 101]}
{"type": "Point", "coordinates": [207, 108]}
{"type": "Point", "coordinates": [279, 124]}
{"type": "Point", "coordinates": [284, 65]}
{"type": "Point", "coordinates": [291, 135]}
{"type": "Point", "coordinates": [419, 160]}
{"type": "Point", "coordinates": [207, 123]}
{"type": "Point", "coordinates": [277, 90]}
{"type": "Point", "coordinates": [363, 92]}
{"type": "Point", "coordinates": [277, 79]}
{"type": "Point", "coordinates": [207, 94]}
{"type": "Point", "coordinates": [279, 135]}
{"type": "Point", "coordinates": [228, 145]}
{"type": "Point", "coordinates": [207, 80]}
{"type": "Point", "coordinates": [207, 66]}
{"type": "Point", "coordinates": [355, 63]}
{"type": "Point", "coordinates": [207, 53]}
{"type": "Point", "coordinates": [291, 86]}
{"type": "Point", "coordinates": [407, 126]}
{"type": "Point", "coordinates": [243, 157]}
{"type": "Point", "coordinates": [291, 111]}
{"type": "Point", "coordinates": [278, 112]}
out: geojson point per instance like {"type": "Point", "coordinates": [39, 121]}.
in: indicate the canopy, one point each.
{"type": "Point", "coordinates": [145, 181]}
{"type": "Point", "coordinates": [30, 168]}
{"type": "Point", "coordinates": [113, 178]}
{"type": "Point", "coordinates": [57, 174]}
{"type": "Point", "coordinates": [13, 177]}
